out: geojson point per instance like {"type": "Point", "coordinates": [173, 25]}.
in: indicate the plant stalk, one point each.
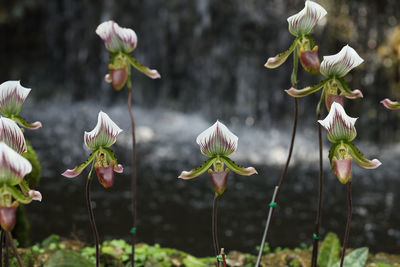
{"type": "Point", "coordinates": [91, 217]}
{"type": "Point", "coordinates": [346, 236]}
{"type": "Point", "coordinates": [319, 211]}
{"type": "Point", "coordinates": [11, 241]}
{"type": "Point", "coordinates": [1, 247]}
{"type": "Point", "coordinates": [6, 256]}
{"type": "Point", "coordinates": [271, 208]}
{"type": "Point", "coordinates": [214, 227]}
{"type": "Point", "coordinates": [133, 184]}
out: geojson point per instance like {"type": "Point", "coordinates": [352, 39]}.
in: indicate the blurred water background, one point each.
{"type": "Point", "coordinates": [210, 55]}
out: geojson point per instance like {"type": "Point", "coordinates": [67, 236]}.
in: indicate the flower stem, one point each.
{"type": "Point", "coordinates": [11, 241]}
{"type": "Point", "coordinates": [271, 208]}
{"type": "Point", "coordinates": [346, 236]}
{"type": "Point", "coordinates": [214, 227]}
{"type": "Point", "coordinates": [319, 211]}
{"type": "Point", "coordinates": [6, 258]}
{"type": "Point", "coordinates": [133, 189]}
{"type": "Point", "coordinates": [91, 217]}
{"type": "Point", "coordinates": [1, 247]}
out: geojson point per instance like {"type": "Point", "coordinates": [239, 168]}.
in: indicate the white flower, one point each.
{"type": "Point", "coordinates": [117, 38]}
{"type": "Point", "coordinates": [303, 22]}
{"type": "Point", "coordinates": [12, 135]}
{"type": "Point", "coordinates": [341, 63]}
{"type": "Point", "coordinates": [13, 166]}
{"type": "Point", "coordinates": [12, 96]}
{"type": "Point", "coordinates": [339, 125]}
{"type": "Point", "coordinates": [104, 134]}
{"type": "Point", "coordinates": [217, 140]}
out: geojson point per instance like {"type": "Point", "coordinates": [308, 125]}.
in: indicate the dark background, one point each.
{"type": "Point", "coordinates": [210, 55]}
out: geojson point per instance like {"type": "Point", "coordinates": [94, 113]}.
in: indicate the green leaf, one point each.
{"type": "Point", "coordinates": [360, 159]}
{"type": "Point", "coordinates": [279, 59]}
{"type": "Point", "coordinates": [381, 264]}
{"type": "Point", "coordinates": [192, 261]}
{"type": "Point", "coordinates": [236, 168]}
{"type": "Point", "coordinates": [357, 258]}
{"type": "Point", "coordinates": [198, 171]}
{"type": "Point", "coordinates": [330, 251]}
{"type": "Point", "coordinates": [67, 258]}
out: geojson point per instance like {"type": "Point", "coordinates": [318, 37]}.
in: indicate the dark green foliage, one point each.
{"type": "Point", "coordinates": [32, 178]}
{"type": "Point", "coordinates": [329, 253]}
{"type": "Point", "coordinates": [22, 227]}
{"type": "Point", "coordinates": [67, 258]}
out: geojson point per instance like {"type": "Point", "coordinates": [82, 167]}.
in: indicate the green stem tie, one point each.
{"type": "Point", "coordinates": [133, 230]}
{"type": "Point", "coordinates": [219, 258]}
{"type": "Point", "coordinates": [316, 237]}
{"type": "Point", "coordinates": [273, 204]}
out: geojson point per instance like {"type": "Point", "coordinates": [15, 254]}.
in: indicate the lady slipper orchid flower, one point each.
{"type": "Point", "coordinates": [13, 168]}
{"type": "Point", "coordinates": [121, 42]}
{"type": "Point", "coordinates": [334, 68]}
{"type": "Point", "coordinates": [341, 132]}
{"type": "Point", "coordinates": [217, 143]}
{"type": "Point", "coordinates": [100, 139]}
{"type": "Point", "coordinates": [389, 104]}
{"type": "Point", "coordinates": [301, 25]}
{"type": "Point", "coordinates": [12, 135]}
{"type": "Point", "coordinates": [12, 96]}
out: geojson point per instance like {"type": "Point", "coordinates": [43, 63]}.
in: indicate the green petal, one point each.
{"type": "Point", "coordinates": [360, 159]}
{"type": "Point", "coordinates": [238, 169]}
{"type": "Point", "coordinates": [186, 175]}
{"type": "Point", "coordinates": [305, 91]}
{"type": "Point", "coordinates": [276, 61]}
{"type": "Point", "coordinates": [18, 195]}
{"type": "Point", "coordinates": [24, 186]}
{"type": "Point", "coordinates": [332, 152]}
{"type": "Point", "coordinates": [346, 90]}
{"type": "Point", "coordinates": [22, 122]}
{"type": "Point", "coordinates": [142, 68]}
{"type": "Point", "coordinates": [78, 169]}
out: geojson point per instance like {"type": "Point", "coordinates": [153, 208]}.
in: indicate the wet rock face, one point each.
{"type": "Point", "coordinates": [210, 53]}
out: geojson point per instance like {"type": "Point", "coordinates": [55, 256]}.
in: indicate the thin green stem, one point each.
{"type": "Point", "coordinates": [320, 191]}
{"type": "Point", "coordinates": [346, 236]}
{"type": "Point", "coordinates": [91, 216]}
{"type": "Point", "coordinates": [11, 241]}
{"type": "Point", "coordinates": [293, 77]}
{"type": "Point", "coordinates": [214, 227]}
{"type": "Point", "coordinates": [133, 184]}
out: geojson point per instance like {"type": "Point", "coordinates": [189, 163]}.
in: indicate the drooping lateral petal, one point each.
{"type": "Point", "coordinates": [18, 195]}
{"type": "Point", "coordinates": [279, 59]}
{"type": "Point", "coordinates": [35, 195]}
{"type": "Point", "coordinates": [345, 90]}
{"type": "Point", "coordinates": [303, 22]}
{"type": "Point", "coordinates": [341, 63]}
{"type": "Point", "coordinates": [104, 134]}
{"type": "Point", "coordinates": [217, 140]}
{"type": "Point", "coordinates": [12, 135]}
{"type": "Point", "coordinates": [339, 125]}
{"type": "Point", "coordinates": [238, 169]}
{"type": "Point", "coordinates": [151, 73]}
{"type": "Point", "coordinates": [186, 175]}
{"type": "Point", "coordinates": [22, 122]}
{"type": "Point", "coordinates": [389, 104]}
{"type": "Point", "coordinates": [116, 38]}
{"type": "Point", "coordinates": [360, 159]}
{"type": "Point", "coordinates": [305, 91]}
{"type": "Point", "coordinates": [12, 96]}
{"type": "Point", "coordinates": [13, 166]}
{"type": "Point", "coordinates": [71, 173]}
